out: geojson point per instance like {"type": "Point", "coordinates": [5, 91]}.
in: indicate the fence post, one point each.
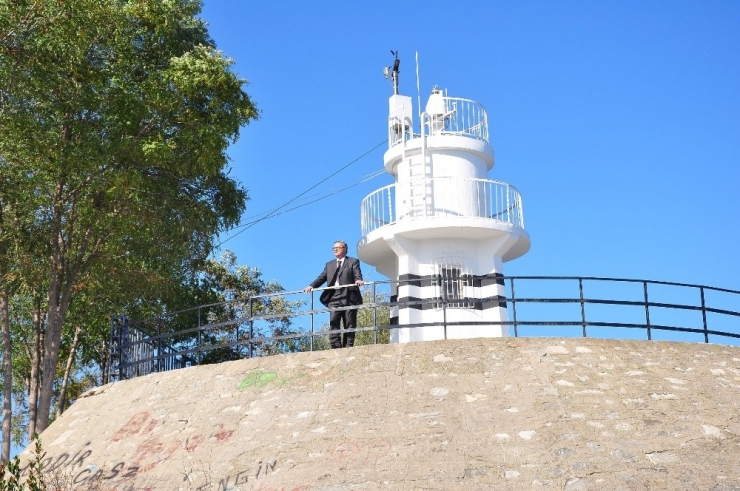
{"type": "Point", "coordinates": [115, 344]}
{"type": "Point", "coordinates": [647, 311]}
{"type": "Point", "coordinates": [200, 322]}
{"type": "Point", "coordinates": [123, 341]}
{"type": "Point", "coordinates": [444, 303]}
{"type": "Point", "coordinates": [704, 315]}
{"type": "Point", "coordinates": [159, 345]}
{"type": "Point", "coordinates": [583, 307]}
{"type": "Point", "coordinates": [310, 344]}
{"type": "Point", "coordinates": [111, 345]}
{"type": "Point", "coordinates": [375, 316]}
{"type": "Point", "coordinates": [513, 308]}
{"type": "Point", "coordinates": [251, 328]}
{"type": "Point", "coordinates": [197, 340]}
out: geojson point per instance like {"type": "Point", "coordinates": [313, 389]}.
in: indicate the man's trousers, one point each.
{"type": "Point", "coordinates": [338, 317]}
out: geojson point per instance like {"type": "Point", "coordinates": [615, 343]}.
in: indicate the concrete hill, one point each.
{"type": "Point", "coordinates": [501, 413]}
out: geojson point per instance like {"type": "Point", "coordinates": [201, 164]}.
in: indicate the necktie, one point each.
{"type": "Point", "coordinates": [336, 275]}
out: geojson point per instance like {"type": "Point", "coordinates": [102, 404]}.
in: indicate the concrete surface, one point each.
{"type": "Point", "coordinates": [497, 413]}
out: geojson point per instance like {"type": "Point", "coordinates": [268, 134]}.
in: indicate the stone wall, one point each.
{"type": "Point", "coordinates": [496, 413]}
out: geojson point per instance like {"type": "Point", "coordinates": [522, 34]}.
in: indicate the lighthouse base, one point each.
{"type": "Point", "coordinates": [449, 306]}
{"type": "Point", "coordinates": [447, 331]}
{"type": "Point", "coordinates": [446, 287]}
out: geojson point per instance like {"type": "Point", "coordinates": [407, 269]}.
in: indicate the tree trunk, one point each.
{"type": "Point", "coordinates": [67, 369]}
{"type": "Point", "coordinates": [33, 384]}
{"type": "Point", "coordinates": [55, 317]}
{"type": "Point", "coordinates": [52, 338]}
{"type": "Point", "coordinates": [7, 372]}
{"type": "Point", "coordinates": [7, 352]}
{"type": "Point", "coordinates": [59, 298]}
{"type": "Point", "coordinates": [104, 368]}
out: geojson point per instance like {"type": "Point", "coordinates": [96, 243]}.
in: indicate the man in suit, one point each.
{"type": "Point", "coordinates": [343, 270]}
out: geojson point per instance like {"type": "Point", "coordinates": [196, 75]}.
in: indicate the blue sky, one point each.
{"type": "Point", "coordinates": [619, 123]}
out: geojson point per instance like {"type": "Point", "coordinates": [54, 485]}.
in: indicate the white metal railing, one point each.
{"type": "Point", "coordinates": [443, 197]}
{"type": "Point", "coordinates": [463, 117]}
{"type": "Point", "coordinates": [378, 209]}
{"type": "Point", "coordinates": [398, 133]}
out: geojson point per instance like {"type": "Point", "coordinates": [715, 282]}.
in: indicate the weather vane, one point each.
{"type": "Point", "coordinates": [392, 72]}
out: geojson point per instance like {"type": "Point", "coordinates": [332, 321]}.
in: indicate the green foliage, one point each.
{"type": "Point", "coordinates": [114, 183]}
{"type": "Point", "coordinates": [234, 292]}
{"type": "Point", "coordinates": [12, 477]}
{"type": "Point", "coordinates": [373, 312]}
{"type": "Point", "coordinates": [379, 315]}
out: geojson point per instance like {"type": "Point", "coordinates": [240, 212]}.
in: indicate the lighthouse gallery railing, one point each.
{"type": "Point", "coordinates": [443, 197]}
{"type": "Point", "coordinates": [461, 117]}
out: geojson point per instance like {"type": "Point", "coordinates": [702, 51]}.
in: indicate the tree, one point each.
{"type": "Point", "coordinates": [16, 243]}
{"type": "Point", "coordinates": [237, 292]}
{"type": "Point", "coordinates": [378, 315]}
{"type": "Point", "coordinates": [373, 316]}
{"type": "Point", "coordinates": [116, 116]}
{"type": "Point", "coordinates": [237, 311]}
{"type": "Point", "coordinates": [6, 339]}
{"type": "Point", "coordinates": [7, 374]}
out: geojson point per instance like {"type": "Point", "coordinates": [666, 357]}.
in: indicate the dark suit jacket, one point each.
{"type": "Point", "coordinates": [349, 273]}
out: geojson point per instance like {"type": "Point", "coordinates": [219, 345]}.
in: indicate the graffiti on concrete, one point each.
{"type": "Point", "coordinates": [301, 487]}
{"type": "Point", "coordinates": [257, 378]}
{"type": "Point", "coordinates": [153, 450]}
{"type": "Point", "coordinates": [149, 453]}
{"type": "Point", "coordinates": [263, 469]}
{"type": "Point", "coordinates": [355, 453]}
{"type": "Point", "coordinates": [80, 469]}
{"type": "Point", "coordinates": [96, 474]}
{"type": "Point", "coordinates": [260, 378]}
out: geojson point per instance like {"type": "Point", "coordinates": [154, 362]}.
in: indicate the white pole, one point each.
{"type": "Point", "coordinates": [418, 91]}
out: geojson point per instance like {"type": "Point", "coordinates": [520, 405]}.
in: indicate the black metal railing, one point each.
{"type": "Point", "coordinates": [536, 306]}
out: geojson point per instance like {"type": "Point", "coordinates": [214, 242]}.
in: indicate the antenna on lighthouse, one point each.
{"type": "Point", "coordinates": [392, 72]}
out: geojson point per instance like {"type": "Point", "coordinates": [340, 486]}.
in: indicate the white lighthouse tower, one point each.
{"type": "Point", "coordinates": [443, 230]}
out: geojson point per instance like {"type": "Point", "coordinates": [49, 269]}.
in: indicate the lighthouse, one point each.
{"type": "Point", "coordinates": [442, 231]}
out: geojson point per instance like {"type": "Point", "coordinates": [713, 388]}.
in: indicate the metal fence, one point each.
{"type": "Point", "coordinates": [444, 197]}
{"type": "Point", "coordinates": [536, 306]}
{"type": "Point", "coordinates": [457, 117]}
{"type": "Point", "coordinates": [462, 117]}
